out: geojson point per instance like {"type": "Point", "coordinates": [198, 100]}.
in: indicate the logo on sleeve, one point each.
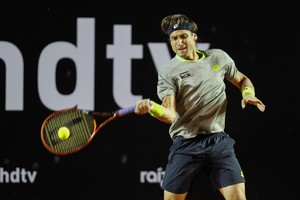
{"type": "Point", "coordinates": [160, 82]}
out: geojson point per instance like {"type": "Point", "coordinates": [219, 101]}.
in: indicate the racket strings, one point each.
{"type": "Point", "coordinates": [81, 126]}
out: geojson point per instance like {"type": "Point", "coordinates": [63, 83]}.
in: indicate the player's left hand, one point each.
{"type": "Point", "coordinates": [250, 99]}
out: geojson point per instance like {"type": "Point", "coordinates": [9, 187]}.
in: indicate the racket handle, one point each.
{"type": "Point", "coordinates": [125, 111]}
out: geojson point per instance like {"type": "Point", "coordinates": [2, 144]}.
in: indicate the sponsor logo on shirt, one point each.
{"type": "Point", "coordinates": [185, 74]}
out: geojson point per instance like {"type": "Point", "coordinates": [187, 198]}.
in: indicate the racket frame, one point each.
{"type": "Point", "coordinates": [109, 117]}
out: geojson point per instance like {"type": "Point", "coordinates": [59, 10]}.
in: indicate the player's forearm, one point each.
{"type": "Point", "coordinates": [246, 87]}
{"type": "Point", "coordinates": [160, 112]}
{"type": "Point", "coordinates": [246, 82]}
{"type": "Point", "coordinates": [168, 116]}
{"type": "Point", "coordinates": [242, 82]}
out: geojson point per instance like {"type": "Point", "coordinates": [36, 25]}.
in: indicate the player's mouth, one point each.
{"type": "Point", "coordinates": [182, 49]}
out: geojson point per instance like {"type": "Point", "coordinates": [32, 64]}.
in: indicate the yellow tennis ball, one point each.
{"type": "Point", "coordinates": [63, 133]}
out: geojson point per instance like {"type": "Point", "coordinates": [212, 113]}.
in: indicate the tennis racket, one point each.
{"type": "Point", "coordinates": [67, 131]}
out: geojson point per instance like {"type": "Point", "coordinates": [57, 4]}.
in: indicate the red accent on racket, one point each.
{"type": "Point", "coordinates": [81, 126]}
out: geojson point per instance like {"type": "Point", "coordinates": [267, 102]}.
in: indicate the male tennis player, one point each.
{"type": "Point", "coordinates": [192, 90]}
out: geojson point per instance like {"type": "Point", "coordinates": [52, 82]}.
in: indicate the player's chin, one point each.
{"type": "Point", "coordinates": [182, 52]}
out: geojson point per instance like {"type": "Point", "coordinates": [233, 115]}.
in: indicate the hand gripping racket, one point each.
{"type": "Point", "coordinates": [70, 130]}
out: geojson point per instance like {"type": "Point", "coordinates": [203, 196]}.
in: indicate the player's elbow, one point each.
{"type": "Point", "coordinates": [169, 119]}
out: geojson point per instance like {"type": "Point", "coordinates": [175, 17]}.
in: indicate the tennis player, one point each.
{"type": "Point", "coordinates": [192, 90]}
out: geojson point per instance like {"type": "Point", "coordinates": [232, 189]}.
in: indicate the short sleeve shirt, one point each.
{"type": "Point", "coordinates": [199, 89]}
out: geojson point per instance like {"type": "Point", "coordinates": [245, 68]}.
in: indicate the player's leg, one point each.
{"type": "Point", "coordinates": [226, 173]}
{"type": "Point", "coordinates": [234, 192]}
{"type": "Point", "coordinates": [173, 196]}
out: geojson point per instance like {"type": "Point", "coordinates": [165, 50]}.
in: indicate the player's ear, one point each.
{"type": "Point", "coordinates": [195, 36]}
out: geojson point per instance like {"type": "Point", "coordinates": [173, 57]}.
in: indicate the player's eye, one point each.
{"type": "Point", "coordinates": [174, 38]}
{"type": "Point", "coordinates": [184, 36]}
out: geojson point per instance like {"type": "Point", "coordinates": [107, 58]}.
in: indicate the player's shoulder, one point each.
{"type": "Point", "coordinates": [169, 65]}
{"type": "Point", "coordinates": [218, 53]}
{"type": "Point", "coordinates": [215, 51]}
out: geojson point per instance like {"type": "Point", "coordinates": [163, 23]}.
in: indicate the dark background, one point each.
{"type": "Point", "coordinates": [263, 41]}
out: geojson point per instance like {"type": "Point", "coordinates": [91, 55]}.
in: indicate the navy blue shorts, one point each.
{"type": "Point", "coordinates": [213, 154]}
